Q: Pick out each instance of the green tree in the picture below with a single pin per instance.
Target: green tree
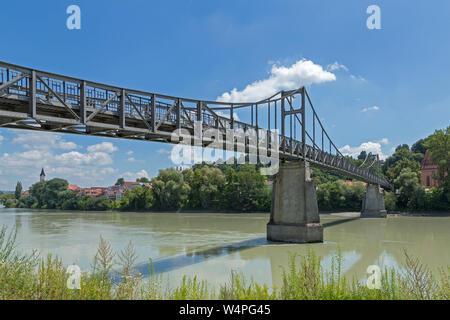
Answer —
(206, 185)
(120, 182)
(8, 200)
(411, 193)
(245, 190)
(170, 190)
(18, 192)
(139, 198)
(143, 180)
(438, 144)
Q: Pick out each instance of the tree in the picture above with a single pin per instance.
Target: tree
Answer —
(419, 147)
(139, 198)
(245, 190)
(143, 180)
(170, 190)
(438, 144)
(411, 193)
(18, 192)
(120, 182)
(362, 155)
(206, 185)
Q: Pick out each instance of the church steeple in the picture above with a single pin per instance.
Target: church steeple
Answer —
(42, 175)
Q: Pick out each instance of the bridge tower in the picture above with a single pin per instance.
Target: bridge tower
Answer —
(294, 216)
(373, 202)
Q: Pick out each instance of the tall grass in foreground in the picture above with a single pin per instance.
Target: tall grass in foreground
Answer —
(33, 277)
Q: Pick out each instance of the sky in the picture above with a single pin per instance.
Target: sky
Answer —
(373, 88)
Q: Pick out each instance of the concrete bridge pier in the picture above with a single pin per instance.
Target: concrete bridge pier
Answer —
(294, 216)
(373, 203)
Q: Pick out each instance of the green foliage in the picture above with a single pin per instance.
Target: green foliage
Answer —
(206, 185)
(120, 182)
(390, 200)
(438, 145)
(170, 191)
(411, 193)
(94, 203)
(340, 196)
(139, 198)
(143, 180)
(18, 191)
(9, 200)
(245, 190)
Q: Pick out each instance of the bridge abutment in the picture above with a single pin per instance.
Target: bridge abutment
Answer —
(373, 203)
(294, 216)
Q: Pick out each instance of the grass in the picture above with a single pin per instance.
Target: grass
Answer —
(32, 277)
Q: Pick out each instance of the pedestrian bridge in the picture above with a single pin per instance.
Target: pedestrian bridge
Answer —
(286, 122)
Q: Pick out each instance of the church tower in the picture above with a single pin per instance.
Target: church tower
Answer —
(42, 175)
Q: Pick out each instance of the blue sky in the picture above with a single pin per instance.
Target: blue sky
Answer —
(390, 86)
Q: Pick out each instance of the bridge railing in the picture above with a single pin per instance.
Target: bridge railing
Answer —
(291, 113)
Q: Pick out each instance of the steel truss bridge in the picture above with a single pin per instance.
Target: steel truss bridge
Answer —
(37, 100)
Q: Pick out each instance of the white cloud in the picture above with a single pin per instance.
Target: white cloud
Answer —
(1, 139)
(77, 158)
(302, 73)
(132, 159)
(358, 78)
(132, 176)
(374, 108)
(130, 153)
(374, 147)
(384, 141)
(43, 141)
(82, 168)
(227, 115)
(336, 66)
(102, 147)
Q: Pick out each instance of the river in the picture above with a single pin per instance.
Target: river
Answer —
(211, 245)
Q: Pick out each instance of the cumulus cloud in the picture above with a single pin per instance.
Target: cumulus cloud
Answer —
(130, 152)
(227, 115)
(79, 159)
(374, 108)
(1, 139)
(43, 141)
(102, 147)
(301, 73)
(374, 147)
(92, 167)
(132, 176)
(384, 141)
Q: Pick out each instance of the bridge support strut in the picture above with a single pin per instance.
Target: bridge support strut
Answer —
(294, 216)
(373, 203)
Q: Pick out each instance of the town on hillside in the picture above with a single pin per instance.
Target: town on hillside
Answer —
(114, 192)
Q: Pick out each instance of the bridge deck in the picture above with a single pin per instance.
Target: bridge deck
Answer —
(37, 100)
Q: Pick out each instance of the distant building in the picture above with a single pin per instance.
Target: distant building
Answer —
(42, 176)
(73, 187)
(114, 192)
(427, 170)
